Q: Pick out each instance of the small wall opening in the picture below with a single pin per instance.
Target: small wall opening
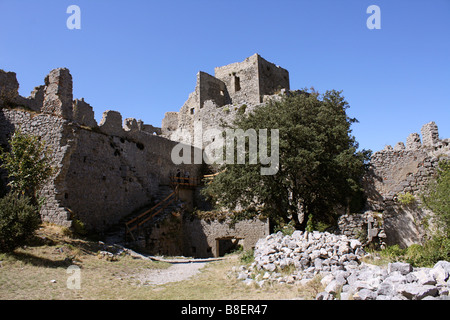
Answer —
(226, 245)
(237, 83)
(192, 110)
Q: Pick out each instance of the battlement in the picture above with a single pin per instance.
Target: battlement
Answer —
(430, 141)
(55, 97)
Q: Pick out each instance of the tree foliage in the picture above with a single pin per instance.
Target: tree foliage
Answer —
(437, 197)
(319, 165)
(18, 220)
(27, 163)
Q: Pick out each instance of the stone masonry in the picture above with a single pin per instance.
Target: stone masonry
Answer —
(103, 172)
(106, 171)
(237, 87)
(404, 170)
(337, 261)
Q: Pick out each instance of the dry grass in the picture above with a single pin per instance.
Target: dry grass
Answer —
(218, 282)
(39, 271)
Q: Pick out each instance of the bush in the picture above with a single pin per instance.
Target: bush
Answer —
(406, 199)
(242, 109)
(437, 199)
(18, 220)
(392, 253)
(432, 251)
(27, 163)
(247, 257)
(286, 229)
(79, 227)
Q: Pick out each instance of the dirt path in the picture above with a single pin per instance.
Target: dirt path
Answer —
(180, 270)
(176, 272)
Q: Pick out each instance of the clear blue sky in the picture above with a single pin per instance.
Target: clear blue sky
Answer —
(141, 57)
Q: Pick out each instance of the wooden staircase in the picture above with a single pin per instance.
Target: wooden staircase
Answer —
(134, 225)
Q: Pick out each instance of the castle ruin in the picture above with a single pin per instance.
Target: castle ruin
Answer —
(108, 170)
(237, 87)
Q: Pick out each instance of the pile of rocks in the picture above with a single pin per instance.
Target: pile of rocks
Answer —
(310, 252)
(298, 258)
(399, 281)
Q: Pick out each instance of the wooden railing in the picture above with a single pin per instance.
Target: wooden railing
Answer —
(185, 182)
(137, 222)
(133, 225)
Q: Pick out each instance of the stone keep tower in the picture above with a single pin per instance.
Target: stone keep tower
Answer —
(241, 83)
(249, 81)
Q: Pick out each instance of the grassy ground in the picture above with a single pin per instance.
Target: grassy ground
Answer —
(39, 271)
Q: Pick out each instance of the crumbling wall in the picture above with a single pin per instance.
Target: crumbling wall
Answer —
(272, 78)
(211, 88)
(368, 227)
(9, 87)
(401, 170)
(58, 97)
(202, 238)
(105, 171)
(83, 113)
(236, 88)
(57, 134)
(242, 80)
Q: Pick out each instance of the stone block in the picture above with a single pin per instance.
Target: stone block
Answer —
(413, 142)
(403, 268)
(58, 93)
(111, 123)
(83, 113)
(430, 134)
(9, 86)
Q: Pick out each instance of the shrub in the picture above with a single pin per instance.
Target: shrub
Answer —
(18, 220)
(432, 251)
(242, 109)
(436, 198)
(27, 163)
(406, 199)
(286, 229)
(79, 227)
(247, 257)
(392, 253)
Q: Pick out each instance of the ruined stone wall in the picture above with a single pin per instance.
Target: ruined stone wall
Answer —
(105, 171)
(242, 80)
(111, 175)
(368, 227)
(272, 78)
(211, 88)
(202, 237)
(400, 170)
(237, 87)
(58, 135)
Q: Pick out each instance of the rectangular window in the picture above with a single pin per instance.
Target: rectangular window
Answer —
(237, 84)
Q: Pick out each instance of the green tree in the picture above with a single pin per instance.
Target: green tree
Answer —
(27, 163)
(319, 165)
(18, 220)
(437, 197)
